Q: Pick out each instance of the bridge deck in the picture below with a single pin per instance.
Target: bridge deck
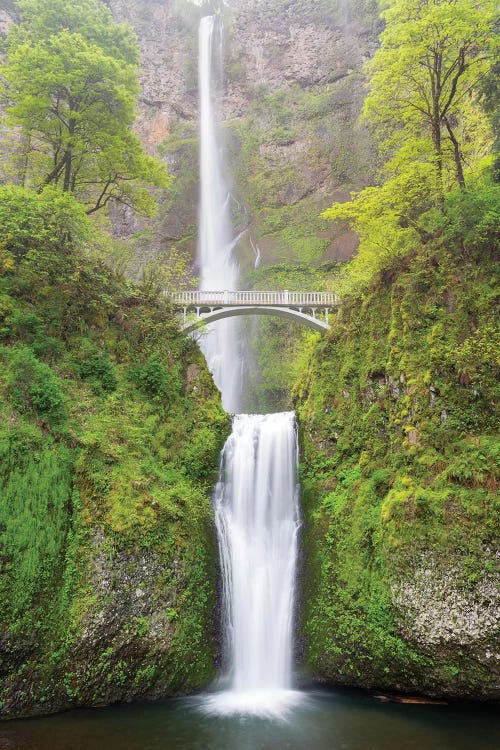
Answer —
(232, 298)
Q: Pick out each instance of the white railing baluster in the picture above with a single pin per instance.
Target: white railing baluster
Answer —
(220, 298)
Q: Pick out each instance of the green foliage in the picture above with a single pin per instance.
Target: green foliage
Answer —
(491, 102)
(426, 80)
(292, 276)
(70, 84)
(470, 220)
(432, 58)
(155, 380)
(97, 473)
(32, 385)
(45, 243)
(395, 219)
(291, 141)
(51, 220)
(34, 520)
(97, 368)
(171, 269)
(398, 409)
(385, 218)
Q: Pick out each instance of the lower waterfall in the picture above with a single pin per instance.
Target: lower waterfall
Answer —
(257, 518)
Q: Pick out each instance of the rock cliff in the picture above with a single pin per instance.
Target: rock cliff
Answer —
(292, 96)
(400, 475)
(110, 434)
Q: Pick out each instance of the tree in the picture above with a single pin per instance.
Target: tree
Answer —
(70, 83)
(491, 103)
(426, 75)
(170, 270)
(386, 220)
(425, 87)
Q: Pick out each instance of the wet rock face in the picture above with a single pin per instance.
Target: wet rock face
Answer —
(126, 587)
(273, 43)
(166, 31)
(168, 65)
(437, 612)
(5, 22)
(9, 14)
(280, 44)
(293, 55)
(122, 645)
(129, 624)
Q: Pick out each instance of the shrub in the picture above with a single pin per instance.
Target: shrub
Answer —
(155, 380)
(50, 219)
(32, 386)
(99, 371)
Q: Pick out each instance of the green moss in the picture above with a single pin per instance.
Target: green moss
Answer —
(105, 518)
(400, 465)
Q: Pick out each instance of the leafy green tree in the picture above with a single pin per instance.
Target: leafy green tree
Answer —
(386, 219)
(171, 269)
(70, 84)
(426, 75)
(426, 80)
(45, 259)
(491, 103)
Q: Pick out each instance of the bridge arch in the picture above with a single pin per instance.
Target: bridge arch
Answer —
(282, 312)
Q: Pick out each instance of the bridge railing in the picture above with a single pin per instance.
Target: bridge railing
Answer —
(230, 298)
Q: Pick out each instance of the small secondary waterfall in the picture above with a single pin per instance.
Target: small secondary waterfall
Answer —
(256, 498)
(218, 270)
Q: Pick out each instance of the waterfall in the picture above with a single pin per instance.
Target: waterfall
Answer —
(256, 498)
(257, 522)
(218, 270)
(257, 517)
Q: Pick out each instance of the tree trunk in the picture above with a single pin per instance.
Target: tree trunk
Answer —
(456, 154)
(23, 172)
(68, 157)
(67, 171)
(438, 156)
(436, 88)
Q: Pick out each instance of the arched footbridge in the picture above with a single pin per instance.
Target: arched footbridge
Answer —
(199, 308)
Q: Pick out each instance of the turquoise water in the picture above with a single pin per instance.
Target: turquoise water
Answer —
(336, 720)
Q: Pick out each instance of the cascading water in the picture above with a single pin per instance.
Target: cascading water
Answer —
(218, 270)
(257, 517)
(257, 521)
(256, 499)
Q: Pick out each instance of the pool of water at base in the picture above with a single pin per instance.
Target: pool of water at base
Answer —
(325, 720)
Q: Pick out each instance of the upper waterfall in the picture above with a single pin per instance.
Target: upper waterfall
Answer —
(218, 269)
